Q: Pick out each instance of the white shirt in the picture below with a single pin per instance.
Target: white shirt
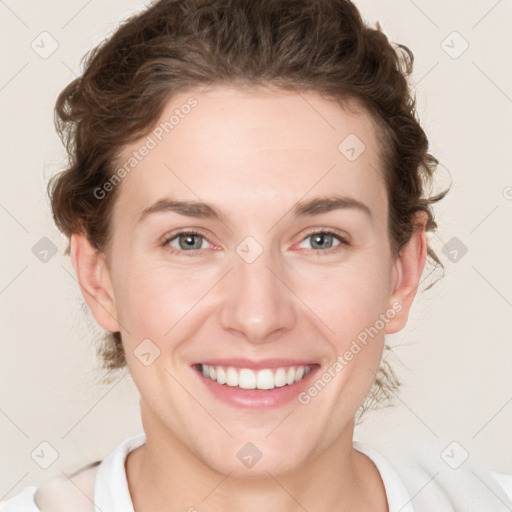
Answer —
(107, 485)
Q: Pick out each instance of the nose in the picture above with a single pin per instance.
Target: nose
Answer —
(259, 306)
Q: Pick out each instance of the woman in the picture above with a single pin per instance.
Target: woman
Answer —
(247, 219)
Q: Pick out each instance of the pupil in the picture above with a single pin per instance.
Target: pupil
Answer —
(189, 242)
(320, 238)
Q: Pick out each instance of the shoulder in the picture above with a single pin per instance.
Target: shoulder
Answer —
(505, 482)
(84, 490)
(21, 502)
(69, 492)
(57, 494)
(442, 476)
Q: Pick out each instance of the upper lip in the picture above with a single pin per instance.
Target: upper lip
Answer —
(252, 364)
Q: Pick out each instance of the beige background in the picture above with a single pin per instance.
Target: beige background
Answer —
(456, 351)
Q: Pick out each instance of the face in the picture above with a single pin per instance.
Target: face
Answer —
(252, 238)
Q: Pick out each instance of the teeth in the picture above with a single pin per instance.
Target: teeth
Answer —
(221, 375)
(280, 378)
(265, 380)
(246, 378)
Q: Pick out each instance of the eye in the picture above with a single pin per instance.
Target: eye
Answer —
(185, 241)
(324, 241)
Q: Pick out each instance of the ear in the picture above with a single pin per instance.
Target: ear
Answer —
(95, 282)
(408, 267)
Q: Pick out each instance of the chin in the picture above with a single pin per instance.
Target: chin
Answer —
(257, 468)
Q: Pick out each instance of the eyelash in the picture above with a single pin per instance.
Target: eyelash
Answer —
(343, 241)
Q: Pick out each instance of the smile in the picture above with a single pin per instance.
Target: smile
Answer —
(246, 378)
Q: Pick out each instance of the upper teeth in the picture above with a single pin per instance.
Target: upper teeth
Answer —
(246, 378)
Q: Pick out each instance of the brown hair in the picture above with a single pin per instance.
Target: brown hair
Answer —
(317, 45)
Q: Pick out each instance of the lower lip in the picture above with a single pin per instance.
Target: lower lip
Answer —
(257, 398)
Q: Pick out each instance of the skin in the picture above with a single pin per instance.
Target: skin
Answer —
(253, 154)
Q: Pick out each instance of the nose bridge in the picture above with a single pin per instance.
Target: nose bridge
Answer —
(257, 302)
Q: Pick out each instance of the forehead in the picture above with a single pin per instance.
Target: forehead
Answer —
(250, 147)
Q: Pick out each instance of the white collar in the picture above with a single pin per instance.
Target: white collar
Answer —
(397, 495)
(111, 493)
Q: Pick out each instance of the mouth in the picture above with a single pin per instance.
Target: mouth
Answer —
(262, 385)
(247, 378)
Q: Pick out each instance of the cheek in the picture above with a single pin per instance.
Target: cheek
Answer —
(354, 306)
(347, 298)
(351, 302)
(152, 300)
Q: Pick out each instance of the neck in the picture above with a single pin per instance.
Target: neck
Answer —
(164, 475)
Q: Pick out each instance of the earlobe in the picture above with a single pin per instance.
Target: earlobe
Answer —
(95, 283)
(409, 266)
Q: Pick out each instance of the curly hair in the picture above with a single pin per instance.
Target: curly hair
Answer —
(322, 46)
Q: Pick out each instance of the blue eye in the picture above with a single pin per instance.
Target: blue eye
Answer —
(322, 241)
(187, 241)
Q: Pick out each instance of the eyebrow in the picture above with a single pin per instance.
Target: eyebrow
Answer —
(308, 208)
